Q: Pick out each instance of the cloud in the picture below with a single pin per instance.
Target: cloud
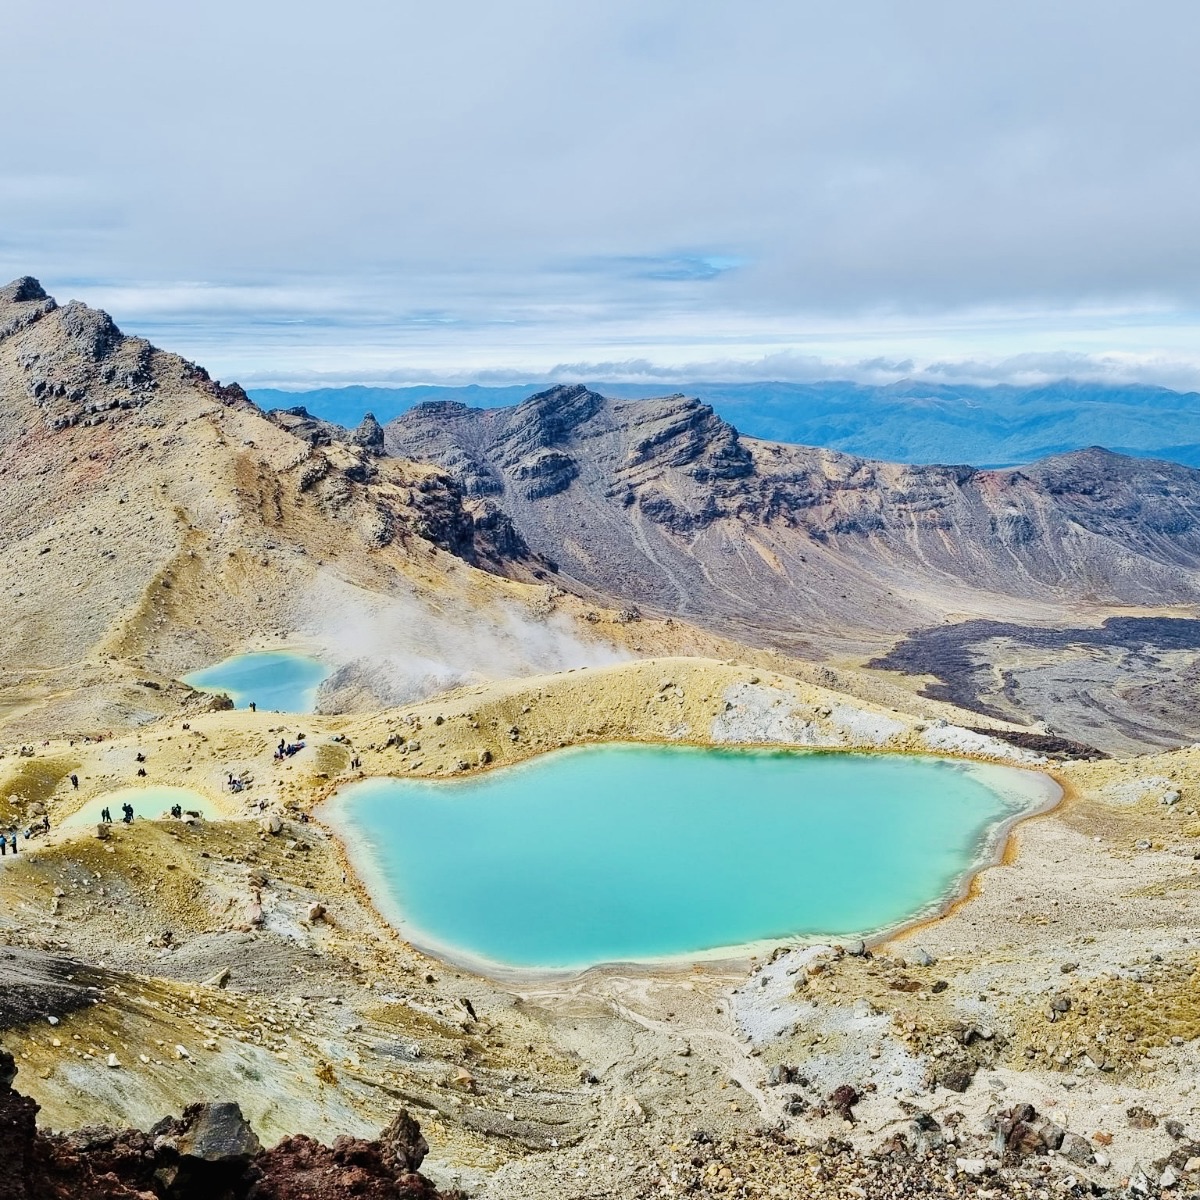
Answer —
(610, 180)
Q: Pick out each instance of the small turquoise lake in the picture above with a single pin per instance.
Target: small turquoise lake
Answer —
(629, 852)
(274, 680)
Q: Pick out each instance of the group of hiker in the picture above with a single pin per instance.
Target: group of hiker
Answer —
(126, 814)
(9, 841)
(287, 749)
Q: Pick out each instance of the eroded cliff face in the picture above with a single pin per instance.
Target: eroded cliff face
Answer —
(662, 503)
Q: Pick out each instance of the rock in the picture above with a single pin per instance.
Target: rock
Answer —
(971, 1166)
(113, 1061)
(1170, 798)
(1017, 1130)
(1052, 1135)
(368, 434)
(856, 949)
(272, 824)
(1139, 1181)
(217, 1133)
(1061, 1003)
(316, 912)
(1101, 1160)
(843, 1099)
(1192, 1165)
(219, 980)
(1075, 1149)
(1173, 1128)
(781, 1073)
(401, 1144)
(1140, 1118)
(1169, 1178)
(211, 1153)
(955, 1078)
(924, 959)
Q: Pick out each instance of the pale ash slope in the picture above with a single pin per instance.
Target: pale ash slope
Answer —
(662, 503)
(152, 521)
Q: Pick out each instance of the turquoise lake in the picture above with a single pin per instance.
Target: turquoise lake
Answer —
(275, 680)
(619, 853)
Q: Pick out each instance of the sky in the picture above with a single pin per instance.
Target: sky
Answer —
(385, 191)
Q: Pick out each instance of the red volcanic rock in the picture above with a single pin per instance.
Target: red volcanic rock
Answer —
(210, 1153)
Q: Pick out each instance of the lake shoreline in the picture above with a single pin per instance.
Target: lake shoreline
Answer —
(1040, 792)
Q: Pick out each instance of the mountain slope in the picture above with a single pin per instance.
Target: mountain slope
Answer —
(153, 521)
(662, 503)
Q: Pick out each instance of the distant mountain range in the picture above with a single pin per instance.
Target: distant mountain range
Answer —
(909, 422)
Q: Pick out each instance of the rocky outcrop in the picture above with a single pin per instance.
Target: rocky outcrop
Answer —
(209, 1153)
(368, 435)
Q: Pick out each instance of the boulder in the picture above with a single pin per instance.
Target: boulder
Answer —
(843, 1099)
(1075, 1149)
(402, 1145)
(217, 1133)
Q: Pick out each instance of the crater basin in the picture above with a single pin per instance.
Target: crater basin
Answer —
(633, 853)
(149, 803)
(274, 680)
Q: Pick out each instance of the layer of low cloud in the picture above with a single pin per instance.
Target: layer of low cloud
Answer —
(1023, 370)
(293, 188)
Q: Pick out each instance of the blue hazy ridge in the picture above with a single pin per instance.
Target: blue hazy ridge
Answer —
(610, 853)
(901, 422)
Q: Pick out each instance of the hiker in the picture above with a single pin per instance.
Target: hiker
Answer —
(46, 822)
(75, 782)
(3, 846)
(141, 757)
(128, 811)
(253, 706)
(106, 816)
(14, 843)
(142, 771)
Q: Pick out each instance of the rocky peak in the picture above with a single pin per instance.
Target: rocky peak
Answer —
(93, 333)
(22, 291)
(680, 432)
(368, 435)
(548, 419)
